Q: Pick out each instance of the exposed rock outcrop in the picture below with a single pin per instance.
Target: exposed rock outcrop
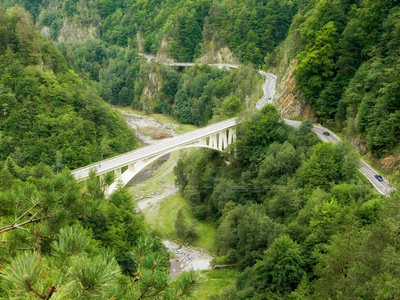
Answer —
(214, 54)
(72, 31)
(287, 99)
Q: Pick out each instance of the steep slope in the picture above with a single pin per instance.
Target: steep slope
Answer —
(47, 110)
(212, 31)
(345, 65)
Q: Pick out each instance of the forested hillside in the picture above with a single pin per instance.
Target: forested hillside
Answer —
(346, 67)
(48, 113)
(295, 215)
(343, 53)
(59, 238)
(183, 30)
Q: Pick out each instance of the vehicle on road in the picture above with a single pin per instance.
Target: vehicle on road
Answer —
(326, 133)
(379, 177)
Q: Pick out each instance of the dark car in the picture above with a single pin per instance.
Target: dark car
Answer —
(326, 133)
(379, 177)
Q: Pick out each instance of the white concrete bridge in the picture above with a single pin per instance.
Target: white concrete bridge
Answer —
(125, 166)
(216, 136)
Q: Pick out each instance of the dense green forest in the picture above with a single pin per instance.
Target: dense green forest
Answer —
(347, 67)
(345, 51)
(186, 28)
(48, 112)
(59, 238)
(295, 215)
(193, 95)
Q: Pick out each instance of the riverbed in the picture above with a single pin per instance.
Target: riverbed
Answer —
(149, 131)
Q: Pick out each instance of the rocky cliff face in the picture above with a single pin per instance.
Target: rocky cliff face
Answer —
(213, 53)
(151, 91)
(72, 31)
(57, 22)
(287, 99)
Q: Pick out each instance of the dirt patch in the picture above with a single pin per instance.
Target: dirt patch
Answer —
(147, 129)
(154, 199)
(390, 162)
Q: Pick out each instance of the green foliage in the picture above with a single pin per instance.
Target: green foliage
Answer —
(29, 276)
(72, 241)
(51, 105)
(231, 106)
(346, 67)
(316, 63)
(23, 272)
(151, 279)
(255, 232)
(183, 230)
(115, 224)
(327, 165)
(280, 204)
(281, 267)
(105, 7)
(259, 131)
(357, 272)
(206, 93)
(251, 29)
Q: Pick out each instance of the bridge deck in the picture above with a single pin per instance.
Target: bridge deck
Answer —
(163, 146)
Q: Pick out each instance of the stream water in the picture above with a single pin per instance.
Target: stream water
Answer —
(149, 131)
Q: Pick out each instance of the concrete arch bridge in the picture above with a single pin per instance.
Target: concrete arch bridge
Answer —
(217, 136)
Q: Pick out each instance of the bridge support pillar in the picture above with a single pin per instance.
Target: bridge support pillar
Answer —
(118, 174)
(131, 167)
(231, 135)
(213, 141)
(222, 141)
(102, 178)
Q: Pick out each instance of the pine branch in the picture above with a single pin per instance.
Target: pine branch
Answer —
(52, 290)
(187, 288)
(23, 249)
(24, 214)
(86, 288)
(32, 219)
(157, 292)
(33, 290)
(144, 292)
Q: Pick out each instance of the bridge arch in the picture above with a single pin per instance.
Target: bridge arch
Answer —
(217, 141)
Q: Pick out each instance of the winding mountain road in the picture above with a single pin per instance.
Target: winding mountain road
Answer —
(268, 88)
(382, 187)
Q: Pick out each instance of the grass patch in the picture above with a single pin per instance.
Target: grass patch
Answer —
(163, 177)
(163, 220)
(213, 281)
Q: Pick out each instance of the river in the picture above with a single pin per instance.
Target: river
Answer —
(148, 131)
